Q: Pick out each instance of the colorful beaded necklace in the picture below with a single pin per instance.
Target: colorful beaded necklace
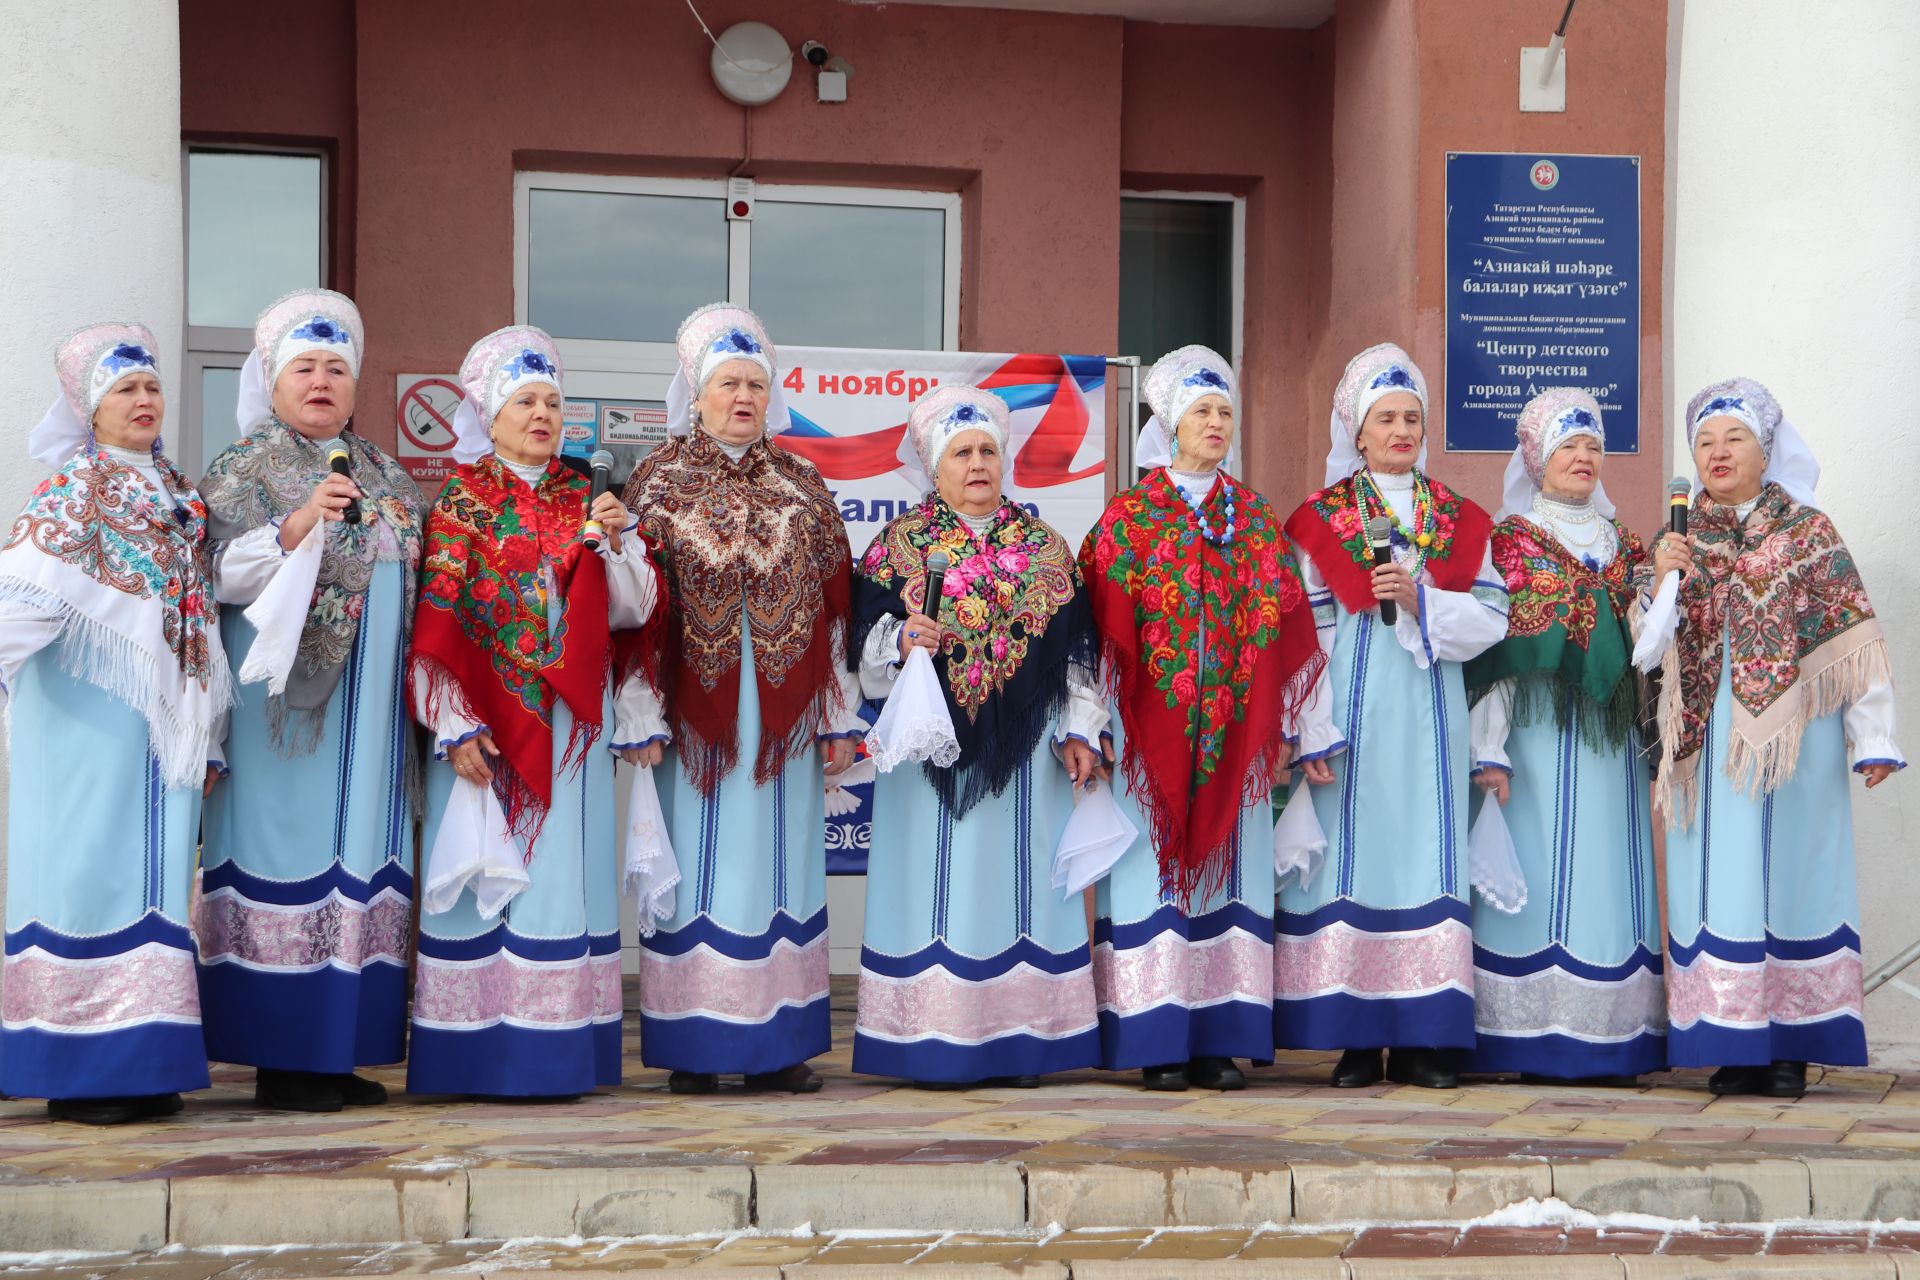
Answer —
(1196, 510)
(1420, 536)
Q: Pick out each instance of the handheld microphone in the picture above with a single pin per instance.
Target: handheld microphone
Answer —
(602, 463)
(1679, 497)
(338, 463)
(1380, 536)
(937, 563)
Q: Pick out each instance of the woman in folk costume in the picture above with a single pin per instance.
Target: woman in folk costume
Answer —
(975, 967)
(523, 635)
(116, 686)
(1775, 672)
(753, 673)
(1208, 653)
(1375, 947)
(1567, 972)
(307, 881)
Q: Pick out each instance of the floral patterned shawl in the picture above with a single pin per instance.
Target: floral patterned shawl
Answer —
(1331, 527)
(1802, 641)
(1205, 729)
(262, 479)
(1015, 614)
(486, 620)
(758, 544)
(1568, 642)
(124, 565)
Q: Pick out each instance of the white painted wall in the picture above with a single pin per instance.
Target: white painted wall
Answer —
(1796, 261)
(90, 209)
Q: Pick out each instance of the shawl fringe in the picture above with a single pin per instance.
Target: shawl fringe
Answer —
(95, 653)
(1539, 697)
(1759, 766)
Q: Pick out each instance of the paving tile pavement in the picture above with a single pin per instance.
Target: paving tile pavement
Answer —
(1286, 1115)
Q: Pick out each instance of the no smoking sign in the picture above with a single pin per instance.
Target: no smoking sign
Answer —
(423, 412)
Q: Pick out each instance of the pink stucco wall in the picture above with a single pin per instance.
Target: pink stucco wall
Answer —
(1336, 137)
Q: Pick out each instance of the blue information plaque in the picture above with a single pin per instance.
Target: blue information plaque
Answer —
(1543, 290)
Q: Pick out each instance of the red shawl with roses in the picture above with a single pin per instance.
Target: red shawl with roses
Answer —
(483, 618)
(1210, 652)
(1331, 527)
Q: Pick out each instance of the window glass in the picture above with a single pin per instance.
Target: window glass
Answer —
(622, 267)
(841, 275)
(219, 395)
(253, 233)
(1176, 276)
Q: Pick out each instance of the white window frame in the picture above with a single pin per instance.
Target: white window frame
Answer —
(1237, 293)
(221, 346)
(591, 356)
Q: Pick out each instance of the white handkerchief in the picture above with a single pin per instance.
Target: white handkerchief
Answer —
(652, 872)
(1096, 835)
(1299, 841)
(1656, 625)
(279, 614)
(914, 725)
(473, 849)
(1493, 867)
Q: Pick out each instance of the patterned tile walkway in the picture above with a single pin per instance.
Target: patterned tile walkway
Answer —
(1090, 1117)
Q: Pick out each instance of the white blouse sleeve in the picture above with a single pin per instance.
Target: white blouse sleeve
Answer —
(1870, 727)
(1454, 626)
(1326, 611)
(638, 718)
(1086, 716)
(880, 658)
(437, 703)
(245, 566)
(1315, 734)
(847, 722)
(1489, 723)
(633, 585)
(25, 629)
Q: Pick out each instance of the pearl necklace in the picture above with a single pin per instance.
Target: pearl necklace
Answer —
(1579, 527)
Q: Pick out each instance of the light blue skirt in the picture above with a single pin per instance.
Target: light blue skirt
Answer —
(97, 996)
(974, 965)
(306, 893)
(736, 981)
(1377, 950)
(528, 1003)
(1763, 912)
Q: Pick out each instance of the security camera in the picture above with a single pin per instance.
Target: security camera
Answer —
(814, 52)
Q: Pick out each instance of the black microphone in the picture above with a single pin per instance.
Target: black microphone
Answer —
(937, 562)
(602, 464)
(1380, 534)
(1679, 497)
(338, 463)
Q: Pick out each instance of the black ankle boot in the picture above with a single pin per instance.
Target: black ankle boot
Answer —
(1423, 1068)
(296, 1090)
(1733, 1082)
(1357, 1069)
(1171, 1078)
(1216, 1073)
(1784, 1080)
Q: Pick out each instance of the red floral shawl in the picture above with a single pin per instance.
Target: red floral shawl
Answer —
(1205, 733)
(1801, 636)
(482, 620)
(1331, 527)
(755, 542)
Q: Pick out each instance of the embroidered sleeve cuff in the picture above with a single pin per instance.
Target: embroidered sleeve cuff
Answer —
(841, 733)
(448, 744)
(1861, 766)
(1324, 753)
(660, 738)
(1481, 766)
(219, 767)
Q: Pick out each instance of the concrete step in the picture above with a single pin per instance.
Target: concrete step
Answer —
(651, 1200)
(1677, 1252)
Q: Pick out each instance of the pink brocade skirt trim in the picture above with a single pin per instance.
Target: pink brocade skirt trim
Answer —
(333, 931)
(468, 995)
(704, 983)
(1193, 975)
(151, 983)
(1340, 959)
(1773, 990)
(937, 1004)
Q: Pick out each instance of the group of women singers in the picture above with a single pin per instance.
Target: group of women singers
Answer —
(249, 658)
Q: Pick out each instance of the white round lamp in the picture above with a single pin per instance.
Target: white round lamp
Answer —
(751, 63)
